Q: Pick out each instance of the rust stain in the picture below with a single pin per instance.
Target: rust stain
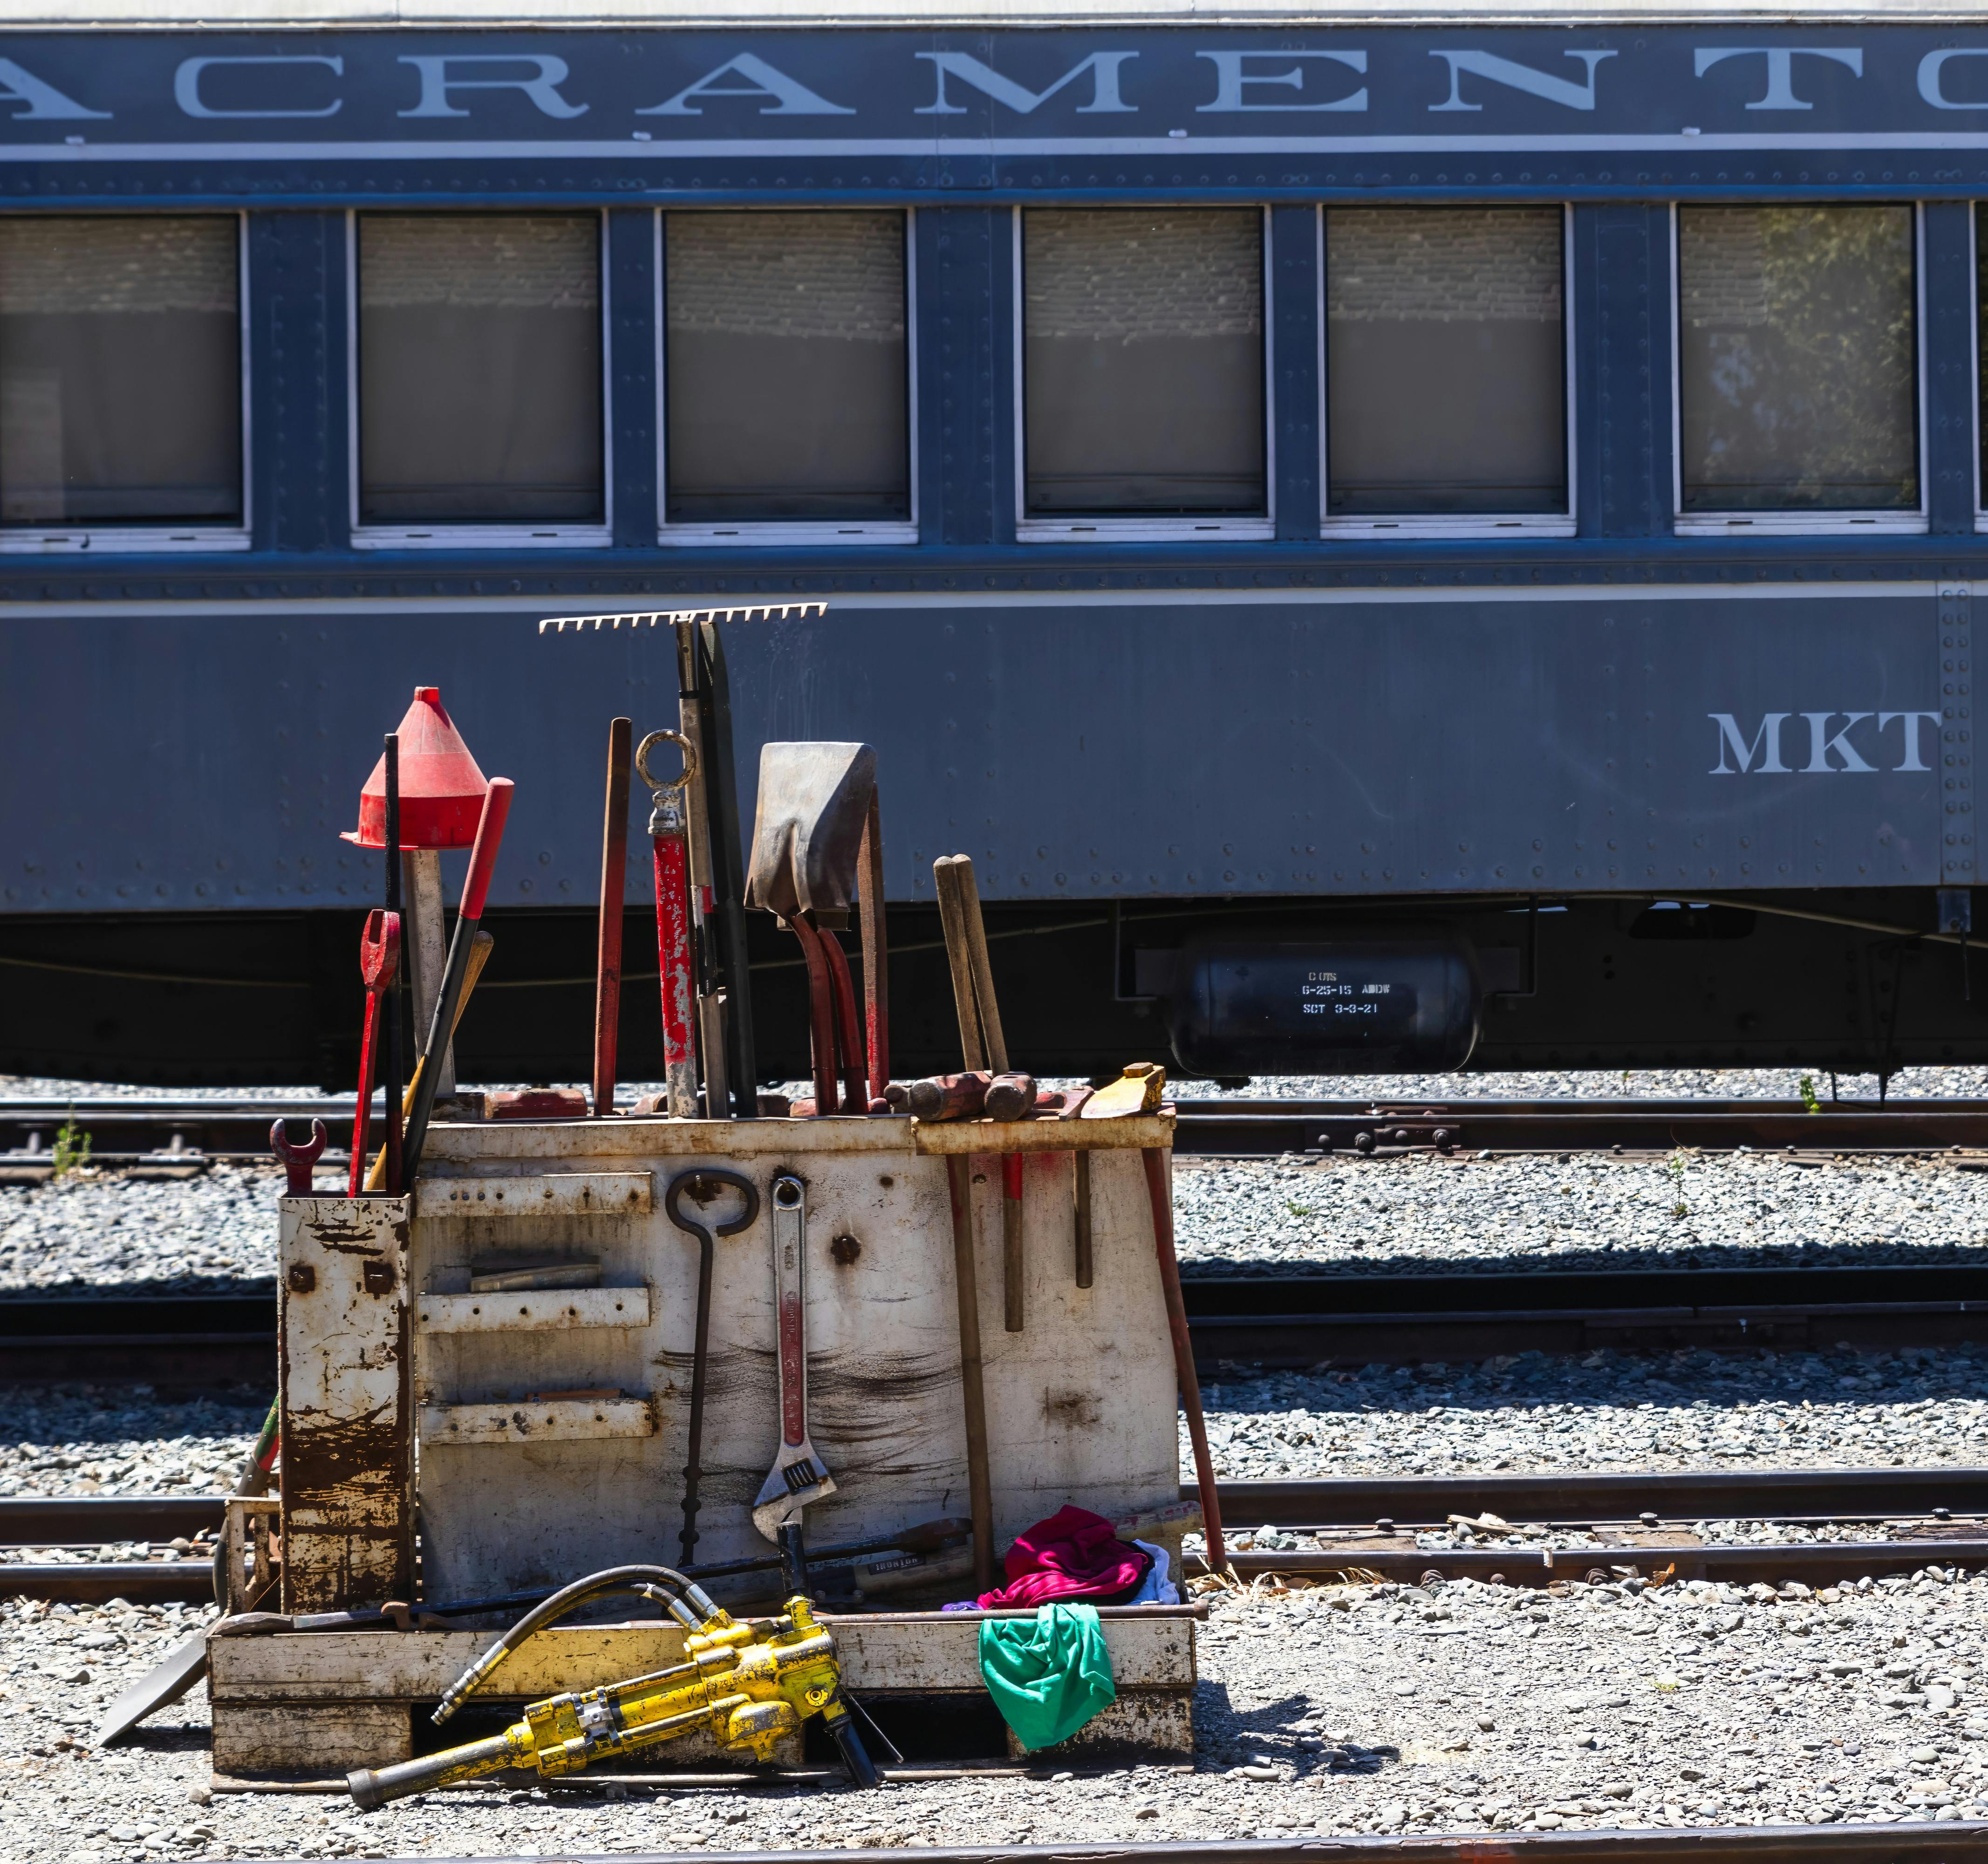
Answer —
(330, 1230)
(322, 1452)
(371, 1245)
(1072, 1410)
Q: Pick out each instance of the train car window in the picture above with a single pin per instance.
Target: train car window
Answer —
(479, 344)
(1797, 361)
(786, 371)
(1446, 363)
(1142, 360)
(120, 371)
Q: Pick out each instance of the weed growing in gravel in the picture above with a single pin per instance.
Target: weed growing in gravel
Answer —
(1807, 1092)
(1674, 1166)
(71, 1148)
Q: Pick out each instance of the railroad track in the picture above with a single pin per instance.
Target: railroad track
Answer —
(1276, 1321)
(1363, 1524)
(1959, 1841)
(181, 1137)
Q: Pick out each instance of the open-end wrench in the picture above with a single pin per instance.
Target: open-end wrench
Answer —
(798, 1476)
(299, 1159)
(379, 961)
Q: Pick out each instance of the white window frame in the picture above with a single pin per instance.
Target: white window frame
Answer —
(775, 531)
(1417, 525)
(1104, 528)
(164, 539)
(1800, 523)
(479, 533)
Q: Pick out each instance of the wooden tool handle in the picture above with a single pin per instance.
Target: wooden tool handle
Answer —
(996, 1043)
(959, 960)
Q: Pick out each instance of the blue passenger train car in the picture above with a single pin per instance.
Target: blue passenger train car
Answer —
(1317, 492)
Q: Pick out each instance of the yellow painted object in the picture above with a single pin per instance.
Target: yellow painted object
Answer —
(749, 1683)
(1137, 1091)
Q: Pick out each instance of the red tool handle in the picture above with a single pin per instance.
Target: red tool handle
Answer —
(368, 1048)
(489, 837)
(673, 949)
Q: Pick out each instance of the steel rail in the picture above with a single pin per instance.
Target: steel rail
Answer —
(1463, 1126)
(130, 1132)
(1407, 1502)
(1363, 1523)
(1930, 1843)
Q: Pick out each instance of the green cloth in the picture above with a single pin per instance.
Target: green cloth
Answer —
(1049, 1674)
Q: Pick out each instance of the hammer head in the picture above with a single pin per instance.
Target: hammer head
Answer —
(807, 829)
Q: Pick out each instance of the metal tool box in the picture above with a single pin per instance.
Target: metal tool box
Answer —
(535, 1434)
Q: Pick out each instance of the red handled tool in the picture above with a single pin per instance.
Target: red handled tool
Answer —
(675, 961)
(613, 887)
(475, 891)
(379, 963)
(298, 1159)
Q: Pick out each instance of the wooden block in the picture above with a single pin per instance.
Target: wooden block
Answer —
(541, 1194)
(314, 1737)
(1142, 1724)
(880, 1654)
(534, 1309)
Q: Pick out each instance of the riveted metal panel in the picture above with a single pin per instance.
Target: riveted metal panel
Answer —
(958, 369)
(296, 351)
(346, 1379)
(631, 404)
(1957, 867)
(1622, 334)
(1148, 744)
(1293, 323)
(1949, 367)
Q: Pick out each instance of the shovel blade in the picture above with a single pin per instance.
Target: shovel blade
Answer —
(184, 1665)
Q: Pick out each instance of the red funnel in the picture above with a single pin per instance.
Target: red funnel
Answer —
(441, 790)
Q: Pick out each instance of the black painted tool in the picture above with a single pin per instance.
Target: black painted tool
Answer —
(695, 1182)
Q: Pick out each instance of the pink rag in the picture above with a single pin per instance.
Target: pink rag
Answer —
(1074, 1554)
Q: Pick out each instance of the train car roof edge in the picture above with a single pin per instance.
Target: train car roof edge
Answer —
(367, 16)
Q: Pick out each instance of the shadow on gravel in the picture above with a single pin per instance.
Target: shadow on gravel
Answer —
(1274, 1731)
(1683, 1380)
(151, 1738)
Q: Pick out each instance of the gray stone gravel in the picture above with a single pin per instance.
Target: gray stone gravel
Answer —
(1422, 1212)
(123, 1441)
(101, 1232)
(105, 1231)
(1601, 1084)
(1921, 1406)
(1388, 1709)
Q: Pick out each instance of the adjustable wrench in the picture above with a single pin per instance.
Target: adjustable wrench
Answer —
(798, 1476)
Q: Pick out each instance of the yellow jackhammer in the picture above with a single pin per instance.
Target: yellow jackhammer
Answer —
(749, 1683)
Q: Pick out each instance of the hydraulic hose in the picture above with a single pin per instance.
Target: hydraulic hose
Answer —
(687, 1602)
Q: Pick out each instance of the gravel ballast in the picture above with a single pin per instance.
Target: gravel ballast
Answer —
(216, 1232)
(1422, 1213)
(1334, 1709)
(1919, 1407)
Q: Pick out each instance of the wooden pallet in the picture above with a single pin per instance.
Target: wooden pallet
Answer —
(317, 1703)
